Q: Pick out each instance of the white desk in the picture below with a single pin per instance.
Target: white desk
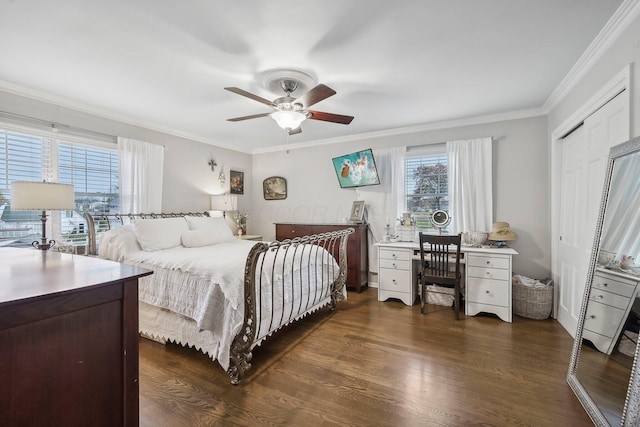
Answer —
(487, 277)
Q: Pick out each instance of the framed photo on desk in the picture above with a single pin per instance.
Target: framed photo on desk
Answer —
(357, 211)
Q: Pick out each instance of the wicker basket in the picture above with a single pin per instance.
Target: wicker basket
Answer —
(533, 302)
(440, 295)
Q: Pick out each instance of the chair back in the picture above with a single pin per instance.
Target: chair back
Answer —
(440, 258)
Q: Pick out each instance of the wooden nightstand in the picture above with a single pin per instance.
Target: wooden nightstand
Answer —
(249, 237)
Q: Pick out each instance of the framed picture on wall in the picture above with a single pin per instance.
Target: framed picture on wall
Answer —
(357, 211)
(236, 182)
(274, 188)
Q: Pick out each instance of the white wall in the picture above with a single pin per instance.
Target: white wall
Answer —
(188, 181)
(520, 172)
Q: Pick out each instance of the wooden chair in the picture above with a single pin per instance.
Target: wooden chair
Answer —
(440, 265)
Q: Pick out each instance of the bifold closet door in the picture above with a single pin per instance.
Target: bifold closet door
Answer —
(585, 154)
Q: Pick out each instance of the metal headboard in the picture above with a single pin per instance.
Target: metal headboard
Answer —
(97, 223)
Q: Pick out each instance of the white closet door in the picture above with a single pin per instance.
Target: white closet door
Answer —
(584, 158)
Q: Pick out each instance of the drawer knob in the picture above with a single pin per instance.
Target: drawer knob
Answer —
(593, 316)
(600, 296)
(394, 255)
(488, 273)
(605, 284)
(394, 265)
(487, 292)
(488, 262)
(394, 280)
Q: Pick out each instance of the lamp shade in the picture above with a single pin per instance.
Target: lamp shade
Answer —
(224, 202)
(288, 119)
(41, 196)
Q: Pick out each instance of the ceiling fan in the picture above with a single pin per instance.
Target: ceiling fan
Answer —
(290, 112)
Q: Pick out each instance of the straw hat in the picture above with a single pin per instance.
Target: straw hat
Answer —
(501, 232)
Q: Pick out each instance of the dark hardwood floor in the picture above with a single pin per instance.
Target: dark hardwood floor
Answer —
(373, 363)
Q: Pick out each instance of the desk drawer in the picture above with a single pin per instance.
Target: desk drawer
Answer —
(609, 298)
(474, 260)
(488, 291)
(488, 273)
(395, 264)
(603, 319)
(395, 280)
(395, 254)
(613, 284)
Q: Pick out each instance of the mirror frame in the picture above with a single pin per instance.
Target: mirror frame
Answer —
(443, 219)
(631, 409)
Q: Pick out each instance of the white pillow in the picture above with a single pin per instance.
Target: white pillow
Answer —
(217, 226)
(197, 238)
(118, 243)
(159, 234)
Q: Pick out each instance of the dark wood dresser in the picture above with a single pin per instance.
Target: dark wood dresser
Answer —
(69, 340)
(357, 247)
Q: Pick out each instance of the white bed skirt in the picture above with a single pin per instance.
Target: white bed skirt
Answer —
(163, 325)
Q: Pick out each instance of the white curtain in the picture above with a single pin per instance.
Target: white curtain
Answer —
(470, 185)
(141, 172)
(384, 202)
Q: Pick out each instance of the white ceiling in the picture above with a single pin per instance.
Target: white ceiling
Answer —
(163, 64)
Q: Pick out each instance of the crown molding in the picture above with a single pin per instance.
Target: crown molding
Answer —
(106, 114)
(628, 11)
(447, 124)
(89, 109)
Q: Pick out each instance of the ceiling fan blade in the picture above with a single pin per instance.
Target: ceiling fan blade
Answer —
(295, 131)
(315, 95)
(248, 95)
(330, 117)
(254, 116)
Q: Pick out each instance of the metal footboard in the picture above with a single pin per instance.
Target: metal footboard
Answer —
(277, 293)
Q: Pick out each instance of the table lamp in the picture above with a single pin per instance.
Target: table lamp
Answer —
(44, 196)
(224, 203)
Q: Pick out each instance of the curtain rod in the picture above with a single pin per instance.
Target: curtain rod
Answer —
(56, 127)
(430, 144)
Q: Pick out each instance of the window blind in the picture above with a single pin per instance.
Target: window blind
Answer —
(426, 187)
(93, 171)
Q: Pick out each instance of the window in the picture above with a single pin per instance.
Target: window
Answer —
(426, 187)
(93, 171)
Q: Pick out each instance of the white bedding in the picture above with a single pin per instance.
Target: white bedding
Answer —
(205, 284)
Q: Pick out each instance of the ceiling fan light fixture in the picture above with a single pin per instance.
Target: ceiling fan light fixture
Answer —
(289, 119)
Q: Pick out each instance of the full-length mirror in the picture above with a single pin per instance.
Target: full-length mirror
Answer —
(602, 371)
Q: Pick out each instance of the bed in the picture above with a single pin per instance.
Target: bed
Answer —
(221, 295)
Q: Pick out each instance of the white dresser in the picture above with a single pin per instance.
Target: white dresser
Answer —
(610, 301)
(487, 277)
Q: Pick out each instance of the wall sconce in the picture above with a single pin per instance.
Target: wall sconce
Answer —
(212, 163)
